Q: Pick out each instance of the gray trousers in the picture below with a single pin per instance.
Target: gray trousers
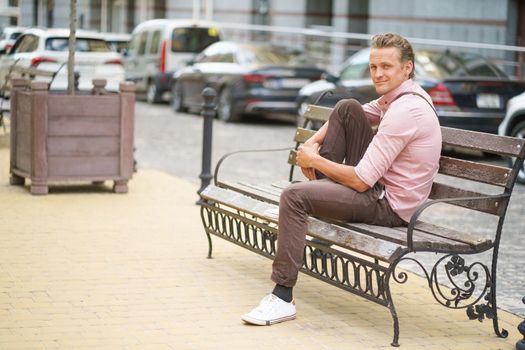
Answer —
(347, 138)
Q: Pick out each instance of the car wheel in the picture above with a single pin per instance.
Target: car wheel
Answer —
(177, 98)
(519, 132)
(152, 95)
(225, 110)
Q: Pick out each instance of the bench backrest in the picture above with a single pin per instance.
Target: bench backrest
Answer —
(501, 177)
(31, 73)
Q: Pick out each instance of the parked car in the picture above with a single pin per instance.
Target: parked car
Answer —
(514, 124)
(161, 46)
(8, 38)
(468, 91)
(118, 42)
(47, 49)
(252, 78)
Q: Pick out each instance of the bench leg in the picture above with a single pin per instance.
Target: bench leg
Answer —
(492, 297)
(391, 307)
(206, 218)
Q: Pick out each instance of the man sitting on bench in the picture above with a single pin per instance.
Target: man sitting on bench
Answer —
(356, 176)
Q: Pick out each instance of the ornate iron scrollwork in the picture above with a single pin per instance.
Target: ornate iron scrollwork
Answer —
(462, 294)
(351, 273)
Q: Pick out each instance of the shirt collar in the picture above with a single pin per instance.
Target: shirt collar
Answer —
(386, 99)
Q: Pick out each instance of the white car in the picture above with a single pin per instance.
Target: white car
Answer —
(118, 42)
(8, 38)
(47, 49)
(514, 124)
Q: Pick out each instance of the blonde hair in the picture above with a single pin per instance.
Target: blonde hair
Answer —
(386, 40)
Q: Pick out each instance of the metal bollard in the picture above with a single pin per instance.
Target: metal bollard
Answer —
(208, 112)
(520, 345)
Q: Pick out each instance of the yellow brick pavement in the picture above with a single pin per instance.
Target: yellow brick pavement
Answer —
(83, 268)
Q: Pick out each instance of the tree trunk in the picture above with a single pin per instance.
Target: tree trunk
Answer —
(72, 48)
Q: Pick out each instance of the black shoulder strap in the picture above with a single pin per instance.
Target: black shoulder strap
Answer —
(416, 94)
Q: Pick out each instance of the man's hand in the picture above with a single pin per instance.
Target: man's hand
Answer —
(309, 173)
(306, 154)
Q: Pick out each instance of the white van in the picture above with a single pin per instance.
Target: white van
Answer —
(159, 47)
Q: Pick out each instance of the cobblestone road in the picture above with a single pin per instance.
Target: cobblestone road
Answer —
(172, 143)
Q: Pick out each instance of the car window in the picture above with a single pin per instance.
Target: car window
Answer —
(264, 54)
(15, 35)
(155, 42)
(82, 44)
(27, 43)
(141, 49)
(355, 71)
(117, 45)
(447, 64)
(193, 39)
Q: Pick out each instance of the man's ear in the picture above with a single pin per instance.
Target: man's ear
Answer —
(409, 65)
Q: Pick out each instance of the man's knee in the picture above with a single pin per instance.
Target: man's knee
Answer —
(349, 108)
(291, 195)
(348, 105)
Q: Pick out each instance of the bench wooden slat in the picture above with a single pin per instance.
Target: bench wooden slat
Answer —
(475, 241)
(422, 240)
(32, 71)
(358, 242)
(465, 169)
(341, 236)
(252, 191)
(317, 113)
(301, 135)
(490, 205)
(479, 141)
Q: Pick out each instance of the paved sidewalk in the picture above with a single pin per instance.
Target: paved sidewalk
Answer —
(85, 268)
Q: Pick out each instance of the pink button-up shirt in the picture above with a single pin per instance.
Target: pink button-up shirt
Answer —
(404, 154)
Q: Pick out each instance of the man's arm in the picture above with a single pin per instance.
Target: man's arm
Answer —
(308, 157)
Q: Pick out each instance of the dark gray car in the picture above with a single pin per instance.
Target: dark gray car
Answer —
(250, 78)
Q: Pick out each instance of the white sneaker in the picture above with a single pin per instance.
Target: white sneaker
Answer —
(271, 310)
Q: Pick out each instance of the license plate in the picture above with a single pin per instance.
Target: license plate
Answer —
(285, 83)
(294, 83)
(488, 101)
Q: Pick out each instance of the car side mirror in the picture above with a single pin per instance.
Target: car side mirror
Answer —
(330, 78)
(190, 62)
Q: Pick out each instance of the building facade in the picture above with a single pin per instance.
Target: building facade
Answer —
(481, 21)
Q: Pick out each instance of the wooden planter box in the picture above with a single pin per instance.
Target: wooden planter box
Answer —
(81, 137)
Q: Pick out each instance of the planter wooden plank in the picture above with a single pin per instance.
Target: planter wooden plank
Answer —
(23, 161)
(87, 166)
(80, 106)
(83, 146)
(83, 126)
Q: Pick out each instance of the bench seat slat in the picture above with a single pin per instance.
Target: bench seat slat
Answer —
(475, 241)
(422, 240)
(252, 191)
(341, 236)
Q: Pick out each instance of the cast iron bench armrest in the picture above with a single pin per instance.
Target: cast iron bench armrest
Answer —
(227, 155)
(419, 211)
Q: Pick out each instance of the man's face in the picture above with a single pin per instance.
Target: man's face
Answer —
(387, 70)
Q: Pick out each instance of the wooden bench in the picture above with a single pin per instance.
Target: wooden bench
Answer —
(362, 258)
